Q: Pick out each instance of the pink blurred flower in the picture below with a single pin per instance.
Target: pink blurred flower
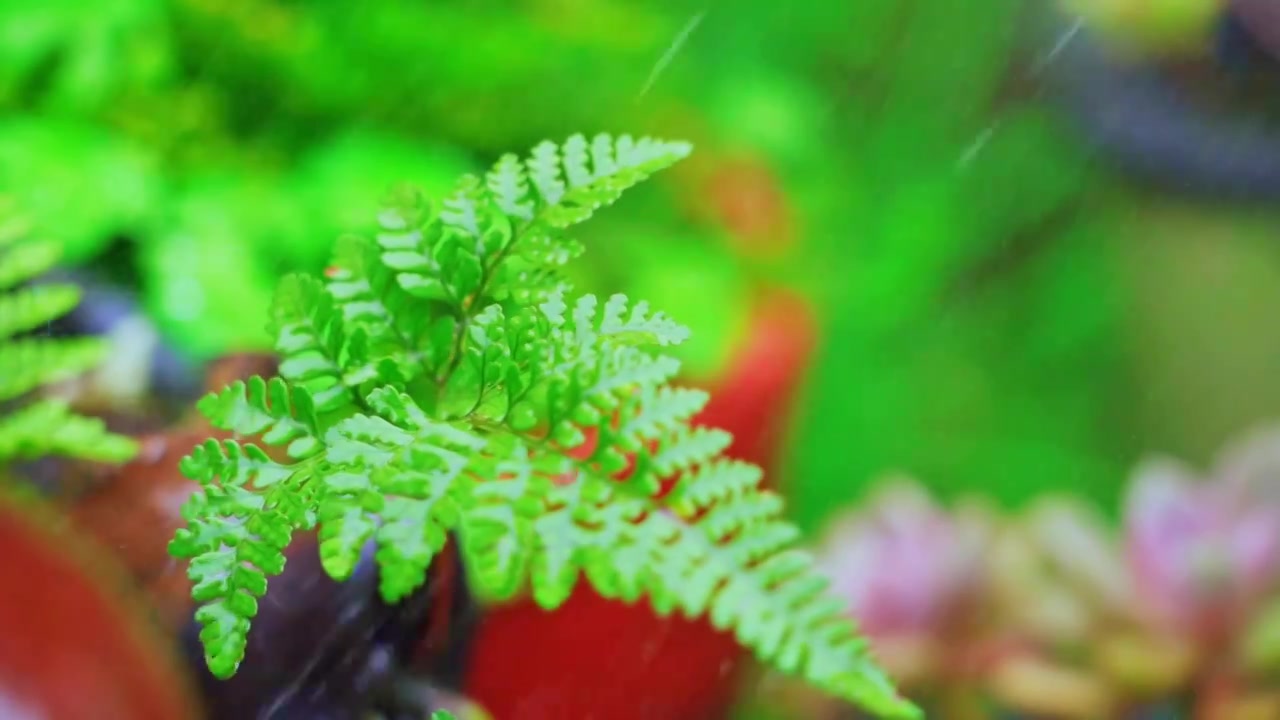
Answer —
(903, 564)
(1201, 555)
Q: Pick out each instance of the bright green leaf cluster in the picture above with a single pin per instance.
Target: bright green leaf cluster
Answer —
(28, 363)
(446, 379)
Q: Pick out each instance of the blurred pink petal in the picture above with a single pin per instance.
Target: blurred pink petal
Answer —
(903, 562)
(1198, 554)
(1254, 545)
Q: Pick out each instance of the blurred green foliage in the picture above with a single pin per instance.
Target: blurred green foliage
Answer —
(972, 332)
(225, 142)
(967, 310)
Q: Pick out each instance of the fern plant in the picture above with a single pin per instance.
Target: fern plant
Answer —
(444, 378)
(30, 430)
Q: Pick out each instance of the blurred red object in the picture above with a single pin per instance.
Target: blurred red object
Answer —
(748, 200)
(134, 512)
(595, 658)
(73, 649)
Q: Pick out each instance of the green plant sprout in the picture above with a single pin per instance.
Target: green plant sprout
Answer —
(444, 378)
(48, 426)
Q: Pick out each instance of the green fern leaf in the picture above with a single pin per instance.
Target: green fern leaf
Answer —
(27, 364)
(372, 299)
(311, 340)
(234, 539)
(575, 179)
(49, 427)
(395, 480)
(443, 381)
(621, 322)
(498, 527)
(31, 308)
(31, 363)
(280, 413)
(687, 448)
(27, 261)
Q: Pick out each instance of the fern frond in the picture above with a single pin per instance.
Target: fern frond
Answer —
(621, 322)
(370, 297)
(402, 470)
(419, 246)
(30, 308)
(498, 528)
(573, 180)
(234, 538)
(577, 532)
(686, 448)
(280, 413)
(31, 363)
(444, 381)
(313, 343)
(49, 427)
(28, 363)
(243, 517)
(473, 232)
(26, 262)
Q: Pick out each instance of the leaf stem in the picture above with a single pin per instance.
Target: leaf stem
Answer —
(469, 306)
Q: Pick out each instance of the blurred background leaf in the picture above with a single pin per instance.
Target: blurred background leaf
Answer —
(993, 315)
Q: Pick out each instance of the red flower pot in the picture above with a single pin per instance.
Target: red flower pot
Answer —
(73, 648)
